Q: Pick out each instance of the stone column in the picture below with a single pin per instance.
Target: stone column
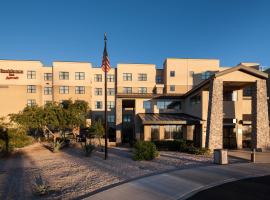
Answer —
(260, 121)
(214, 131)
(118, 121)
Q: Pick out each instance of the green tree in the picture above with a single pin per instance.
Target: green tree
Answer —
(52, 116)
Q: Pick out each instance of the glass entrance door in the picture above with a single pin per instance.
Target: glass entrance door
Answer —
(229, 137)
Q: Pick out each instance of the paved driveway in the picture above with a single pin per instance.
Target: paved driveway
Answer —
(181, 184)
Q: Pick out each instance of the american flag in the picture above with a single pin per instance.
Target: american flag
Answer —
(105, 60)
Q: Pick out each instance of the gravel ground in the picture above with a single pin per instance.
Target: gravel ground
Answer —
(70, 175)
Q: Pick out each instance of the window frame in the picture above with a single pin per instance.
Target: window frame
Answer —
(33, 102)
(47, 91)
(31, 74)
(63, 75)
(79, 75)
(142, 90)
(142, 77)
(127, 90)
(31, 88)
(64, 89)
(110, 78)
(109, 91)
(46, 77)
(127, 76)
(172, 73)
(98, 91)
(79, 89)
(98, 77)
(100, 105)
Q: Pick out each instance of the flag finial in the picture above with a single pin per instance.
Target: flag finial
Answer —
(105, 37)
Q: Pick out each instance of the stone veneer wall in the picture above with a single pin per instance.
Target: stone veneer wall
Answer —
(214, 132)
(260, 119)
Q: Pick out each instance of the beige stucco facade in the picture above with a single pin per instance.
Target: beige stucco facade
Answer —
(145, 102)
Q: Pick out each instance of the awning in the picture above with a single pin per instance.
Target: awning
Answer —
(168, 119)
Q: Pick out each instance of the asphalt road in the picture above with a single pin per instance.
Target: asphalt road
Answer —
(247, 189)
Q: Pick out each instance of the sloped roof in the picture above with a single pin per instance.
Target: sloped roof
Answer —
(248, 70)
(168, 118)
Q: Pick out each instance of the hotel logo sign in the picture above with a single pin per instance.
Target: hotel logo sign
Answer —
(11, 73)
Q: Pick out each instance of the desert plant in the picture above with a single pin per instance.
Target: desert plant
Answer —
(57, 146)
(97, 130)
(144, 150)
(88, 149)
(40, 187)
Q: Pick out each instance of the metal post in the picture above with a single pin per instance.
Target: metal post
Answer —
(253, 157)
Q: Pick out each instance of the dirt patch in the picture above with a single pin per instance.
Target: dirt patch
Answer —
(69, 174)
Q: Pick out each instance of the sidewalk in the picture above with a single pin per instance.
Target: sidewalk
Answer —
(181, 184)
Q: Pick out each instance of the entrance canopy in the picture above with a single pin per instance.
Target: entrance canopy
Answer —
(168, 119)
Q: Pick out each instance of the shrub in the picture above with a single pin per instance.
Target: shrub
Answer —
(180, 145)
(57, 146)
(171, 145)
(88, 149)
(144, 150)
(15, 139)
(40, 186)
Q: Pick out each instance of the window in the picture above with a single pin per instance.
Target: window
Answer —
(98, 78)
(142, 77)
(31, 89)
(63, 75)
(98, 91)
(110, 78)
(127, 76)
(79, 75)
(111, 91)
(79, 90)
(154, 132)
(247, 91)
(31, 74)
(172, 73)
(63, 89)
(47, 76)
(110, 105)
(47, 90)
(159, 79)
(195, 100)
(172, 88)
(206, 75)
(127, 118)
(31, 102)
(142, 90)
(173, 132)
(127, 90)
(147, 105)
(169, 104)
(98, 105)
(111, 118)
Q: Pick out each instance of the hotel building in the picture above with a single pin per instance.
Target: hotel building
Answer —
(194, 99)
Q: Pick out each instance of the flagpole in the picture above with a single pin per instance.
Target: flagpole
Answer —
(105, 113)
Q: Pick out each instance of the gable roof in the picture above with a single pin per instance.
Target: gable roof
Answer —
(248, 70)
(243, 68)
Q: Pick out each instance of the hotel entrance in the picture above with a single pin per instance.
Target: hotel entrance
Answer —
(229, 137)
(128, 133)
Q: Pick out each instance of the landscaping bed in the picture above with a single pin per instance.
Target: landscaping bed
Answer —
(69, 173)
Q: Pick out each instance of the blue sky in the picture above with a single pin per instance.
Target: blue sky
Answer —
(138, 31)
